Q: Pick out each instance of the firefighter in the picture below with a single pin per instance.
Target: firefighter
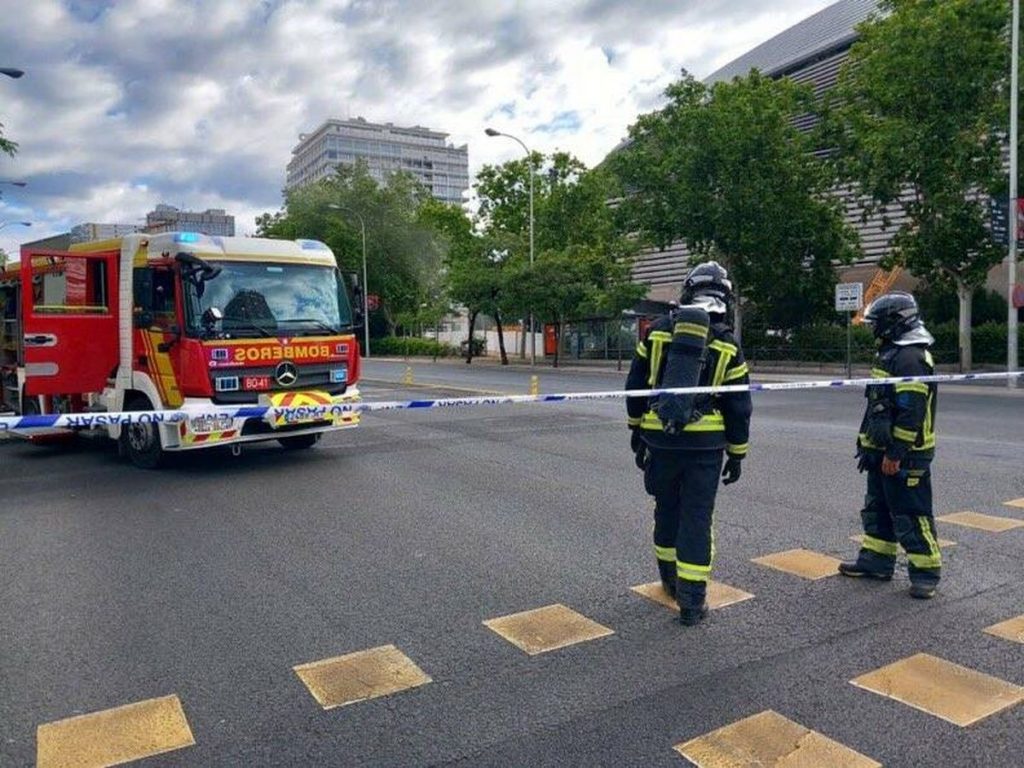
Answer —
(681, 443)
(895, 447)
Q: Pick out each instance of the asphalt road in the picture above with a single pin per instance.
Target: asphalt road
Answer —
(212, 578)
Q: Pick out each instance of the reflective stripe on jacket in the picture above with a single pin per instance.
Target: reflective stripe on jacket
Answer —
(726, 424)
(911, 404)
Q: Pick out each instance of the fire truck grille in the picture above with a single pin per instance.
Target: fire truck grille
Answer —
(316, 377)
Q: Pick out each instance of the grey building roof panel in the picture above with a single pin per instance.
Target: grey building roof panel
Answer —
(830, 28)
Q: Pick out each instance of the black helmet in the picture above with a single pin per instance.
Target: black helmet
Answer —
(893, 315)
(708, 279)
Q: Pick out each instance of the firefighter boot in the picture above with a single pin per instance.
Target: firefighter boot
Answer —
(922, 591)
(690, 595)
(668, 576)
(923, 582)
(871, 565)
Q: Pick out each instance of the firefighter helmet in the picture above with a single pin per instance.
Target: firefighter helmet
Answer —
(893, 316)
(708, 284)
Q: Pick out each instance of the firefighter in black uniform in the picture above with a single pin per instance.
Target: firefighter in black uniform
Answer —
(682, 466)
(895, 447)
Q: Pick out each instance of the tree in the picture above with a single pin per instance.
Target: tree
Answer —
(473, 267)
(919, 120)
(725, 170)
(3, 258)
(403, 255)
(575, 282)
(7, 146)
(582, 261)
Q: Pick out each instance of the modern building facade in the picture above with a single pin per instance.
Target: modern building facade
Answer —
(84, 233)
(212, 221)
(812, 52)
(385, 148)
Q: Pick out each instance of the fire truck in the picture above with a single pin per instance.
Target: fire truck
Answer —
(182, 322)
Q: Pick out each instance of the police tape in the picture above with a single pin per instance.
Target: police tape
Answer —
(329, 413)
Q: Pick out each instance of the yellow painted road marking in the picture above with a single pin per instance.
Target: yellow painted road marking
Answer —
(941, 688)
(114, 736)
(990, 523)
(943, 543)
(1011, 629)
(769, 739)
(801, 562)
(547, 629)
(359, 676)
(1018, 503)
(719, 595)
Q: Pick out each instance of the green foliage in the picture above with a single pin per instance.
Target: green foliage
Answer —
(939, 305)
(988, 341)
(826, 343)
(919, 118)
(403, 252)
(725, 169)
(7, 146)
(577, 282)
(817, 342)
(582, 261)
(412, 346)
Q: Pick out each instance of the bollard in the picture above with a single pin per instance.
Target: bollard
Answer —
(407, 376)
(534, 385)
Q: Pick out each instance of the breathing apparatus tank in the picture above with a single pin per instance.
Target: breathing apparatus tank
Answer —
(683, 365)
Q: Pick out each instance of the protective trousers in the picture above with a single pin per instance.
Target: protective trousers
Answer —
(898, 509)
(683, 484)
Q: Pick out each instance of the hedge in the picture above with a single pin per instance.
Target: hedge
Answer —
(412, 346)
(827, 344)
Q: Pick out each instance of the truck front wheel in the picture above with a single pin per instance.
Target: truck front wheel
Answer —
(141, 442)
(299, 441)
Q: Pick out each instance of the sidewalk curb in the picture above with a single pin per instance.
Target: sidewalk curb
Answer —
(762, 375)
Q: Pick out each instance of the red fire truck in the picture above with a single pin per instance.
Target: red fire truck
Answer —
(184, 322)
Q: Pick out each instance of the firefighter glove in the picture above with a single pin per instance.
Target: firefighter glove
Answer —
(863, 461)
(733, 469)
(897, 450)
(639, 448)
(635, 441)
(641, 458)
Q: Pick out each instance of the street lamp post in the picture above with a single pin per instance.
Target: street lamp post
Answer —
(366, 287)
(19, 223)
(1011, 312)
(15, 73)
(529, 160)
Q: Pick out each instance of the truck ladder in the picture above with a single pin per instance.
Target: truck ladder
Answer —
(881, 283)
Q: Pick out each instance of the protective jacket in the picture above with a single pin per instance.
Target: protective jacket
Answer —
(900, 418)
(725, 419)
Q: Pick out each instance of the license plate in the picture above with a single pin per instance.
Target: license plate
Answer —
(255, 382)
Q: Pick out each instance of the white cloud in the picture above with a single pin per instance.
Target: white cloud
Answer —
(199, 102)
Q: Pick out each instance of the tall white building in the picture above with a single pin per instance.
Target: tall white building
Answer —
(385, 148)
(84, 233)
(212, 221)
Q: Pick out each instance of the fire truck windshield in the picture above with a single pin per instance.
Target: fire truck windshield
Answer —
(257, 299)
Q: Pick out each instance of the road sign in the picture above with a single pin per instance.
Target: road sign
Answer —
(999, 220)
(849, 297)
(1018, 296)
(373, 302)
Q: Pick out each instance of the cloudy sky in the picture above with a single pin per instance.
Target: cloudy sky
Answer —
(198, 103)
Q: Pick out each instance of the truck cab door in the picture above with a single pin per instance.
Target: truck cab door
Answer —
(70, 305)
